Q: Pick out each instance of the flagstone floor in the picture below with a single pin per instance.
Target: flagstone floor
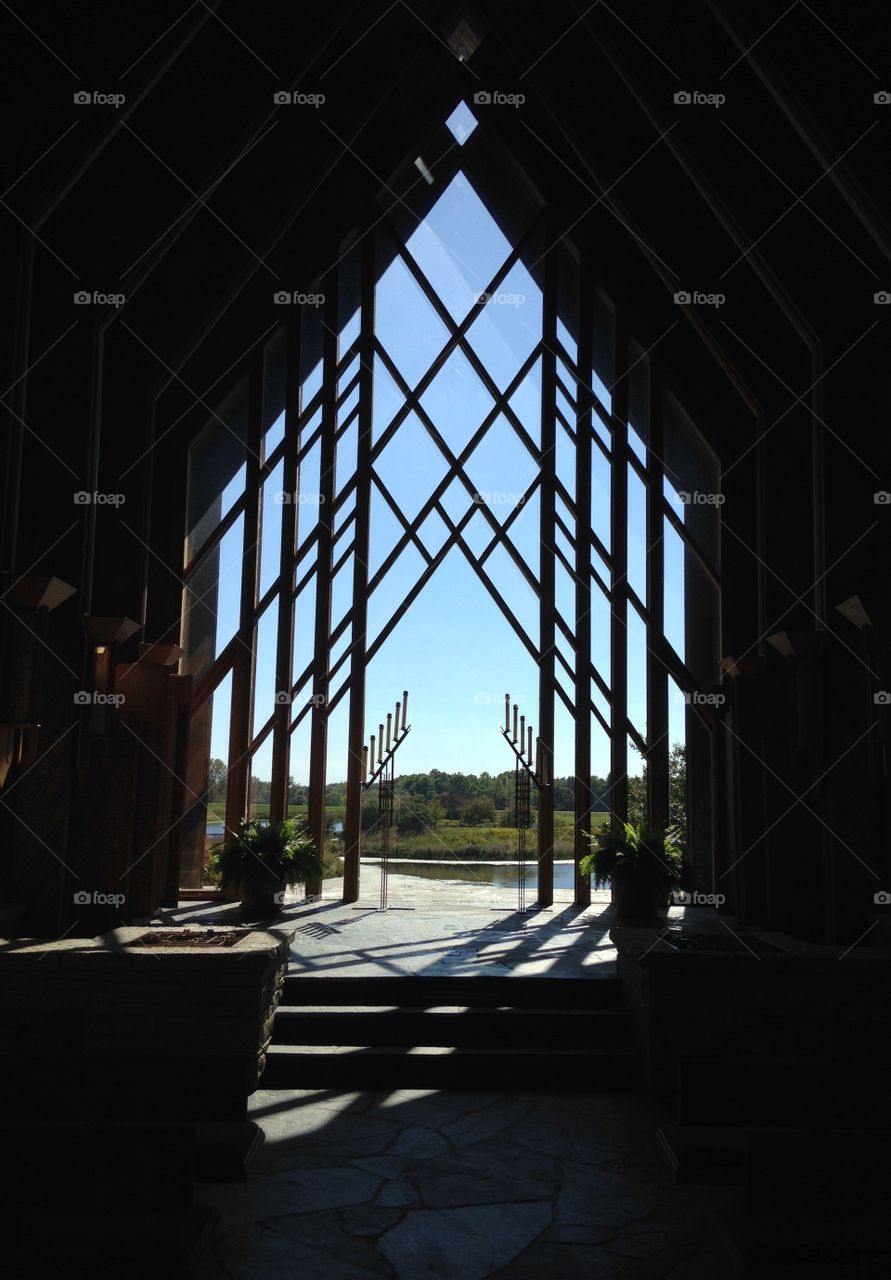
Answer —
(427, 1185)
(420, 1185)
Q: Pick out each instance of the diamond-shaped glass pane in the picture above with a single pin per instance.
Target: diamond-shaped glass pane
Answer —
(526, 403)
(386, 399)
(501, 468)
(393, 588)
(478, 533)
(406, 324)
(459, 246)
(508, 327)
(384, 532)
(520, 597)
(410, 466)
(456, 500)
(525, 532)
(433, 533)
(456, 401)
(461, 123)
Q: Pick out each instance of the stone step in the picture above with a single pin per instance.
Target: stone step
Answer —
(441, 1067)
(474, 991)
(452, 1025)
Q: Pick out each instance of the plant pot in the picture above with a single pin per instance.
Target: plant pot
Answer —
(261, 896)
(638, 898)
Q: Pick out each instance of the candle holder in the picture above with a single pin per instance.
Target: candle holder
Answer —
(382, 775)
(527, 774)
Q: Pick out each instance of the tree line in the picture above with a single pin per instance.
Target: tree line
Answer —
(473, 799)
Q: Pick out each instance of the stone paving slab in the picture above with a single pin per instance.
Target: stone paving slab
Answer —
(434, 929)
(411, 1184)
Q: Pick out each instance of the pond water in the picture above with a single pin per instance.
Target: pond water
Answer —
(501, 875)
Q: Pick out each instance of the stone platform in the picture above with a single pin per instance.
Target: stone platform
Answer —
(426, 1185)
(435, 928)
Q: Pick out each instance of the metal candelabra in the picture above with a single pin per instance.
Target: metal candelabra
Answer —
(529, 772)
(381, 773)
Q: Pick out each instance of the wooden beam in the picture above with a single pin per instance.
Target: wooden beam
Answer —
(237, 782)
(619, 578)
(658, 745)
(284, 650)
(358, 655)
(583, 800)
(318, 750)
(547, 579)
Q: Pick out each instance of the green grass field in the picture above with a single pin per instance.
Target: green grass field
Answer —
(447, 840)
(451, 841)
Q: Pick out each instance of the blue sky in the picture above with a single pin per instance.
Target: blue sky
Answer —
(453, 650)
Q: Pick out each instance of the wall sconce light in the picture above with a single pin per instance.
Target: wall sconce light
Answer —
(105, 635)
(867, 611)
(160, 655)
(805, 647)
(735, 667)
(30, 602)
(796, 644)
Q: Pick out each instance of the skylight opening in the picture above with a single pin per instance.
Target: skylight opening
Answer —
(461, 123)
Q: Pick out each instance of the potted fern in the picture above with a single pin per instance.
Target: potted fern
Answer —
(261, 859)
(641, 864)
